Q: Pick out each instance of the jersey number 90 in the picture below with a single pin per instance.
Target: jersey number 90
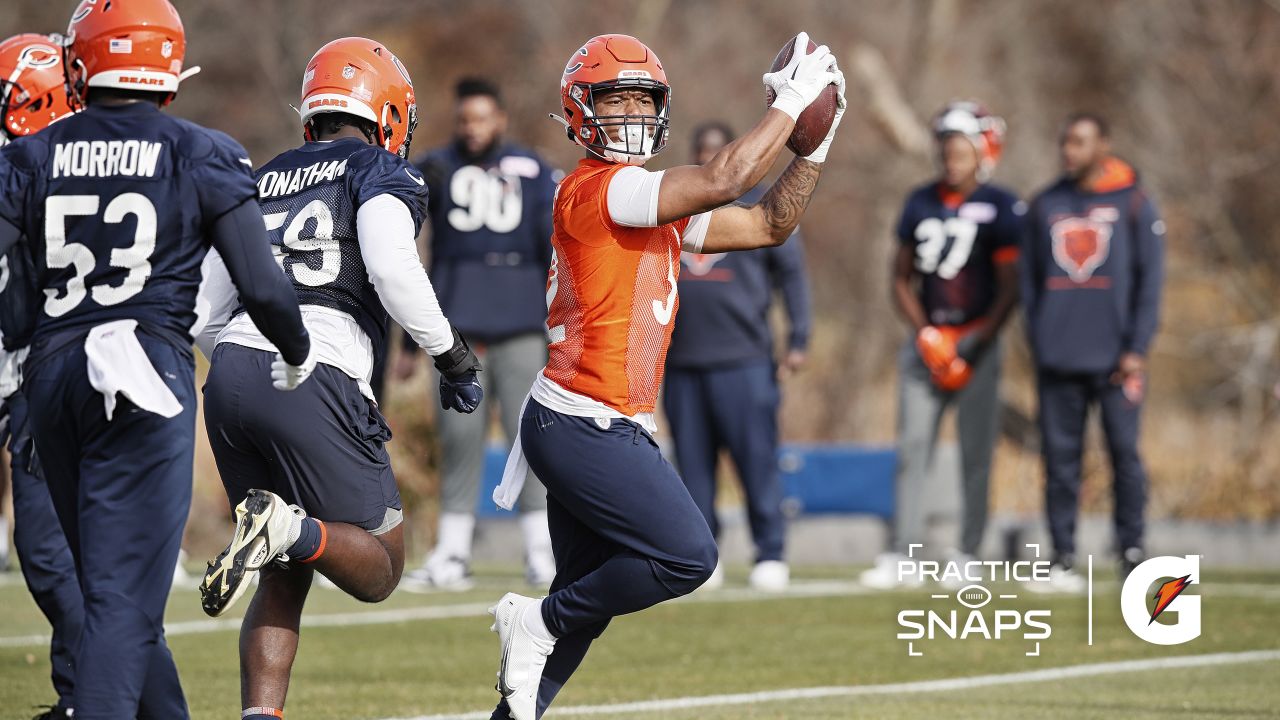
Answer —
(485, 199)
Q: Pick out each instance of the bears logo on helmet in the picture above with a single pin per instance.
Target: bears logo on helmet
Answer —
(984, 130)
(125, 44)
(360, 77)
(607, 63)
(32, 90)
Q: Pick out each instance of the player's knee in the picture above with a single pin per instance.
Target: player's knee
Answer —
(695, 567)
(119, 620)
(374, 593)
(708, 558)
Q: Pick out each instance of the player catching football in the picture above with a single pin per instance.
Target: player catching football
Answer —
(308, 472)
(625, 532)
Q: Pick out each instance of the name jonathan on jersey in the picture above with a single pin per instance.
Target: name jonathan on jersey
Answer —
(106, 158)
(288, 182)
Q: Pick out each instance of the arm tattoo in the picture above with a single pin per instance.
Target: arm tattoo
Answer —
(785, 202)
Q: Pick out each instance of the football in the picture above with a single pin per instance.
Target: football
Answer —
(814, 123)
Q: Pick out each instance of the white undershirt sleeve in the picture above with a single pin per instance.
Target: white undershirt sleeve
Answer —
(390, 251)
(215, 302)
(633, 197)
(696, 232)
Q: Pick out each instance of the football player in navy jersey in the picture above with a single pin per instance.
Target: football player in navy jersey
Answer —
(32, 97)
(955, 282)
(309, 473)
(490, 215)
(116, 207)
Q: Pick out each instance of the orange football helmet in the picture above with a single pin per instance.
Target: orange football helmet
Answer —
(360, 77)
(613, 62)
(32, 90)
(128, 44)
(984, 130)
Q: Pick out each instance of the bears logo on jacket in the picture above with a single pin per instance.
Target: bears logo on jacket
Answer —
(1080, 246)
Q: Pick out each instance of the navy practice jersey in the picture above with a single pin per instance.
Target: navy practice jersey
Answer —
(957, 246)
(490, 238)
(18, 299)
(309, 198)
(115, 203)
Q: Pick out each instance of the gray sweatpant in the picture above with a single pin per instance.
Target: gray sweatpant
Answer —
(509, 369)
(920, 407)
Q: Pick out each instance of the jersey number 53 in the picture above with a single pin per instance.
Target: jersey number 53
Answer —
(59, 254)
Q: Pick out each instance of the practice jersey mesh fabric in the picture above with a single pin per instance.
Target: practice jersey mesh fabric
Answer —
(611, 296)
(310, 196)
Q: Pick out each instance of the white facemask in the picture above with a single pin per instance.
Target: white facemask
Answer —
(635, 147)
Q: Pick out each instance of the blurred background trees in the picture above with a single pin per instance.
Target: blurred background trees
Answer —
(1192, 88)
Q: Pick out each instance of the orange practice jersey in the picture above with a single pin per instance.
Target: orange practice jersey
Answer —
(611, 296)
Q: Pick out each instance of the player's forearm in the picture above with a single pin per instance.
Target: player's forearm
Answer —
(742, 164)
(904, 298)
(785, 202)
(9, 236)
(1005, 301)
(390, 254)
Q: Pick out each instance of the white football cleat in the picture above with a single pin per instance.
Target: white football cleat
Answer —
(182, 578)
(265, 528)
(716, 581)
(540, 569)
(440, 572)
(523, 655)
(952, 583)
(884, 576)
(770, 576)
(1062, 580)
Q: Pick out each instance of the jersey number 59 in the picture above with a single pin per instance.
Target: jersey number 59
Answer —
(320, 239)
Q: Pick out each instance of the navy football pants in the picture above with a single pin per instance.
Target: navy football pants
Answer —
(42, 549)
(1064, 404)
(122, 491)
(625, 533)
(734, 408)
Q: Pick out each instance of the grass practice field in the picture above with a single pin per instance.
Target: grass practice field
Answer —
(827, 649)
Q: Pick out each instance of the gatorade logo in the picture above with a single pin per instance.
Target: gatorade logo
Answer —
(1176, 574)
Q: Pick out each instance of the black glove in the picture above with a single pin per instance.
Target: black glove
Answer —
(459, 388)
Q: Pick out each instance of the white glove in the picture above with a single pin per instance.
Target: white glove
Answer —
(820, 155)
(288, 377)
(802, 79)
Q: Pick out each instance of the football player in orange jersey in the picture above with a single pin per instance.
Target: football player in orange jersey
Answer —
(625, 532)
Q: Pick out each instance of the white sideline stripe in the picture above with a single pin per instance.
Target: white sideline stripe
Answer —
(962, 683)
(798, 590)
(813, 589)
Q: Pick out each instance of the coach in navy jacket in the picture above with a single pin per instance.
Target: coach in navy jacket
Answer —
(1092, 271)
(721, 386)
(490, 216)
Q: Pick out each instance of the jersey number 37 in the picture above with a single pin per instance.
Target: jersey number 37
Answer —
(932, 235)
